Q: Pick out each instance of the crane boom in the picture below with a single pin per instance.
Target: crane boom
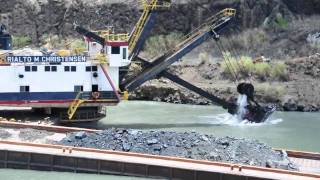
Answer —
(89, 34)
(209, 29)
(143, 27)
(231, 107)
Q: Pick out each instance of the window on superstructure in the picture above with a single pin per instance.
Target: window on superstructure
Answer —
(50, 68)
(54, 68)
(124, 53)
(34, 68)
(78, 88)
(24, 89)
(73, 68)
(67, 68)
(30, 68)
(27, 68)
(91, 68)
(115, 50)
(47, 68)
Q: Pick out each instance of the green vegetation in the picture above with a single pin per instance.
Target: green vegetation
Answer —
(249, 40)
(281, 22)
(246, 66)
(272, 91)
(55, 42)
(262, 69)
(156, 45)
(232, 66)
(49, 41)
(279, 71)
(78, 44)
(21, 41)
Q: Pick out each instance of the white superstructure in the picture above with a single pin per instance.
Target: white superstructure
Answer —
(37, 80)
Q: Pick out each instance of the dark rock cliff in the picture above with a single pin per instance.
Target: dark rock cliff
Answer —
(38, 17)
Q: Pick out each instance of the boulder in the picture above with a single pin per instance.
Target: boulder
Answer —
(289, 103)
(80, 135)
(152, 141)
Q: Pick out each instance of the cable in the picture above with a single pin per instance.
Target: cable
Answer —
(237, 67)
(226, 60)
(236, 30)
(240, 65)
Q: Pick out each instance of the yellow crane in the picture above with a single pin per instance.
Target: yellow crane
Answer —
(142, 25)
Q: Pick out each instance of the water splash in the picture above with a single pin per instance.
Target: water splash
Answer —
(242, 103)
(239, 119)
(233, 120)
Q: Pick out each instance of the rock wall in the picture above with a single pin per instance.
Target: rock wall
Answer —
(36, 18)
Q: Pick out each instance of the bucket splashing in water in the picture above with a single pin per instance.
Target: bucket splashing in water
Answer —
(242, 103)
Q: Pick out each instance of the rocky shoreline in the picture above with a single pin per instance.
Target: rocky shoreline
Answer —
(294, 95)
(172, 94)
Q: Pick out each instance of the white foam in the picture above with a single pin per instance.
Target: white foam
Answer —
(242, 103)
(233, 120)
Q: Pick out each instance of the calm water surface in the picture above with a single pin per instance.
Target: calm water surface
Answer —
(10, 174)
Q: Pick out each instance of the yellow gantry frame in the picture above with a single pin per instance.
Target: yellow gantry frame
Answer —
(147, 8)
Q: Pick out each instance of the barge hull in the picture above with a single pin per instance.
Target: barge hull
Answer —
(20, 155)
(45, 157)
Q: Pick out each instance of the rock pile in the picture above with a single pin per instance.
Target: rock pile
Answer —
(187, 145)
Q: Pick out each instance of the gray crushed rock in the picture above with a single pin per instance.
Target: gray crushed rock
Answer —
(33, 134)
(187, 145)
(4, 134)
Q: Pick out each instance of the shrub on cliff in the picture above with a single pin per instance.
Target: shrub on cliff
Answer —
(21, 41)
(279, 72)
(245, 67)
(51, 41)
(271, 92)
(281, 22)
(157, 45)
(262, 70)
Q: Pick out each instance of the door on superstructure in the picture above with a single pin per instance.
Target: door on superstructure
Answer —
(24, 93)
(95, 88)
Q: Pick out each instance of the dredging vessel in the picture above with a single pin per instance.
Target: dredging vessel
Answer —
(77, 87)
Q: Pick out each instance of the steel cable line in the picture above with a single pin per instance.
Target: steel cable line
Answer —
(239, 63)
(236, 30)
(228, 58)
(237, 67)
(226, 61)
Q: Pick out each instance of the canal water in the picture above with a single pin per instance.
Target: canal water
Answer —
(10, 174)
(287, 130)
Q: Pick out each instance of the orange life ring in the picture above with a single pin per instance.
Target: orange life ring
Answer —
(95, 95)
